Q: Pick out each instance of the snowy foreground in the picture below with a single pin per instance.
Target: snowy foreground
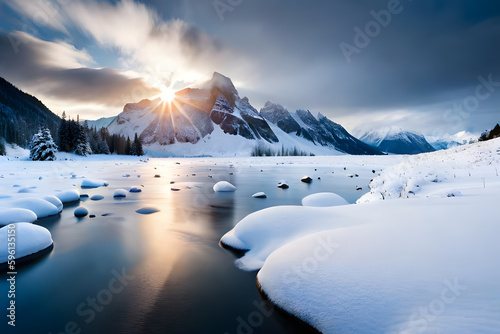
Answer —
(417, 254)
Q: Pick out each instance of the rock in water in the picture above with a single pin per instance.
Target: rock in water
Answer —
(259, 195)
(283, 185)
(81, 212)
(306, 179)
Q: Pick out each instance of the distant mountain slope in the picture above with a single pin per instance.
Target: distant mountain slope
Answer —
(214, 113)
(396, 140)
(320, 131)
(102, 122)
(22, 114)
(447, 141)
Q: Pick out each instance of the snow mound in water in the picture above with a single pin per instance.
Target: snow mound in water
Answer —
(122, 193)
(30, 239)
(323, 200)
(55, 201)
(147, 210)
(9, 216)
(40, 207)
(88, 183)
(68, 196)
(224, 186)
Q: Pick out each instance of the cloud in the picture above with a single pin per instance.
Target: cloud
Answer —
(40, 13)
(57, 70)
(168, 50)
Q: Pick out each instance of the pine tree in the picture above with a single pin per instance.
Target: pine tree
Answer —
(82, 146)
(42, 147)
(137, 146)
(63, 135)
(2, 147)
(128, 147)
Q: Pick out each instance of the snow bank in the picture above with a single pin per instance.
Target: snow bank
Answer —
(323, 200)
(68, 196)
(30, 239)
(40, 207)
(426, 267)
(262, 232)
(224, 186)
(420, 175)
(88, 183)
(9, 216)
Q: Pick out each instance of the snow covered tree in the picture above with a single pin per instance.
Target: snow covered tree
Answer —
(42, 147)
(137, 146)
(82, 146)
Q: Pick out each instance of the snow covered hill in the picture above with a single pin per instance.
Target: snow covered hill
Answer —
(214, 120)
(396, 140)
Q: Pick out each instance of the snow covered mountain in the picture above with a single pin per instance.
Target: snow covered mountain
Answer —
(320, 130)
(396, 140)
(448, 141)
(217, 121)
(102, 122)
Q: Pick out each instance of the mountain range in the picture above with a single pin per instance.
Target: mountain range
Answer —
(213, 120)
(396, 140)
(216, 120)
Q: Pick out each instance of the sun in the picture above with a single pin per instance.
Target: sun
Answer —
(167, 94)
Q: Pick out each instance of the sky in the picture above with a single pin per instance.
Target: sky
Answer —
(426, 66)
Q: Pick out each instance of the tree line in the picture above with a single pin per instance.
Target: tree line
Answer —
(73, 137)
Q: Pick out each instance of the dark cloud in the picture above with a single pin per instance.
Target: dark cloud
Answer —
(428, 57)
(32, 65)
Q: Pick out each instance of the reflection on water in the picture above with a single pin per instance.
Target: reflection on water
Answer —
(180, 280)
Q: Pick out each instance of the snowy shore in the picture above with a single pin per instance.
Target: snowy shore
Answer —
(422, 263)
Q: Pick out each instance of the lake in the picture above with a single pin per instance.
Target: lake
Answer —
(123, 272)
